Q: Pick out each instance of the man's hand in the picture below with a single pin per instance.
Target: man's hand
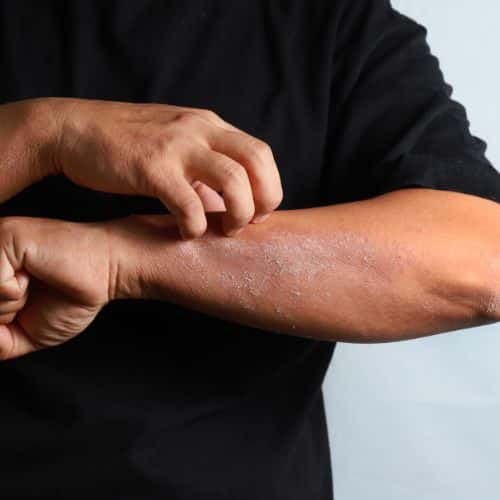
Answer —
(376, 270)
(161, 150)
(68, 270)
(183, 156)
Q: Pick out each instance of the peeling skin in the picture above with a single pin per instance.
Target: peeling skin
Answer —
(493, 307)
(247, 270)
(375, 270)
(297, 255)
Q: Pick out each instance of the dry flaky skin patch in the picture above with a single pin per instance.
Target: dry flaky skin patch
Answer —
(494, 305)
(290, 268)
(491, 302)
(383, 275)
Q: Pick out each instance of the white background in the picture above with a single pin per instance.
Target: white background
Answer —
(420, 419)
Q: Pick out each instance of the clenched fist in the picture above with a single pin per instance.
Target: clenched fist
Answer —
(67, 267)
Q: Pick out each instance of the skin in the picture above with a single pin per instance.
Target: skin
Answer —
(156, 150)
(378, 270)
(407, 264)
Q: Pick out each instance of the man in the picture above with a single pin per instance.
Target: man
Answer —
(152, 355)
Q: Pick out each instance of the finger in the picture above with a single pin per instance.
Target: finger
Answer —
(15, 287)
(12, 306)
(5, 319)
(183, 202)
(222, 173)
(212, 201)
(14, 342)
(23, 280)
(257, 158)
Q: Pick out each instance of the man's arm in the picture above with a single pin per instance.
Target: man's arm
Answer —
(151, 149)
(407, 264)
(26, 137)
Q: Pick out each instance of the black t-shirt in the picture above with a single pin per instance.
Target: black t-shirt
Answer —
(155, 401)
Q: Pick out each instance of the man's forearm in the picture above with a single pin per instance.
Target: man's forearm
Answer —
(407, 264)
(26, 130)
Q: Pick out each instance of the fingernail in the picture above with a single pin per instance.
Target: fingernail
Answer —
(260, 218)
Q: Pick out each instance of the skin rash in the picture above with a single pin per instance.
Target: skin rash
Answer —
(298, 261)
(403, 265)
(492, 306)
(358, 273)
(406, 264)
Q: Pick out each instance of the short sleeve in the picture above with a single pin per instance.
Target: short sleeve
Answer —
(392, 121)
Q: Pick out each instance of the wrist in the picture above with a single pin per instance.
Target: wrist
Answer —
(27, 132)
(123, 269)
(32, 132)
(144, 251)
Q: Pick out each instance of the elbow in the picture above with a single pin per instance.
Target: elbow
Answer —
(490, 307)
(474, 292)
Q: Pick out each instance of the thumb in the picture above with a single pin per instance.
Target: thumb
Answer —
(14, 287)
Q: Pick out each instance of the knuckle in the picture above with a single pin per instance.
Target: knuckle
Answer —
(11, 236)
(241, 212)
(260, 150)
(10, 297)
(272, 200)
(188, 119)
(233, 174)
(188, 205)
(244, 213)
(209, 114)
(162, 142)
